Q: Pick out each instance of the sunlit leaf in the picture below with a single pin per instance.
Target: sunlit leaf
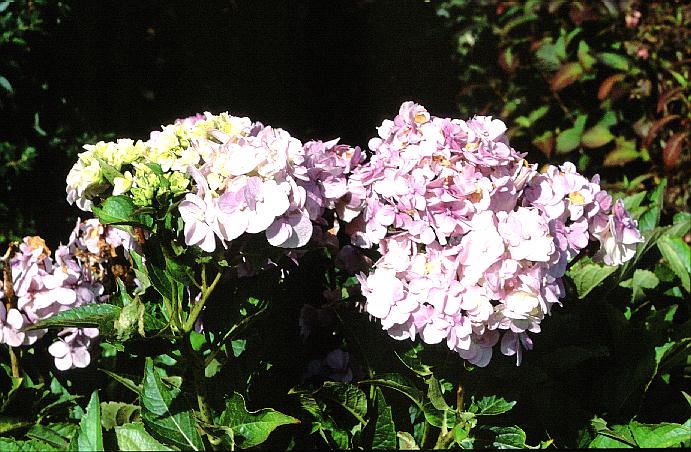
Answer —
(90, 433)
(251, 427)
(134, 437)
(165, 412)
(677, 253)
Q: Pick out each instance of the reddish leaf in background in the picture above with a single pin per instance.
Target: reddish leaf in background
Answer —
(608, 84)
(671, 154)
(655, 129)
(567, 74)
(667, 97)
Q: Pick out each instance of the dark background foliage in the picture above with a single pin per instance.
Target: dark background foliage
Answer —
(318, 69)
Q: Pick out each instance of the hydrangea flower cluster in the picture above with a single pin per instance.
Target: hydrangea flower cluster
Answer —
(148, 169)
(474, 240)
(265, 181)
(43, 286)
(246, 178)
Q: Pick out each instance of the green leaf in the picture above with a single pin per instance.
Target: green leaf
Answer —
(90, 433)
(160, 280)
(346, 395)
(324, 423)
(570, 139)
(651, 218)
(435, 395)
(413, 362)
(439, 418)
(12, 445)
(114, 414)
(126, 382)
(678, 256)
(568, 74)
(613, 60)
(57, 435)
(135, 437)
(384, 428)
(101, 316)
(490, 405)
(11, 423)
(116, 210)
(509, 438)
(6, 85)
(131, 317)
(165, 412)
(586, 60)
(406, 441)
(252, 427)
(398, 383)
(547, 56)
(662, 435)
(642, 279)
(596, 137)
(587, 275)
(624, 152)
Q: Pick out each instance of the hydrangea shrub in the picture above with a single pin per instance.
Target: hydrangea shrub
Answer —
(441, 231)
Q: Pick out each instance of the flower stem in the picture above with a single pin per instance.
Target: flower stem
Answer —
(197, 308)
(197, 361)
(14, 363)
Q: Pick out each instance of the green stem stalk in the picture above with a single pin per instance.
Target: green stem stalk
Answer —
(14, 363)
(197, 308)
(197, 361)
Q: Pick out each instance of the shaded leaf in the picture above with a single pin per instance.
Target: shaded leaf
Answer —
(584, 57)
(568, 74)
(128, 383)
(545, 143)
(655, 129)
(6, 85)
(398, 383)
(165, 413)
(587, 275)
(384, 429)
(624, 152)
(57, 435)
(346, 395)
(596, 136)
(90, 433)
(134, 437)
(413, 362)
(671, 154)
(606, 86)
(613, 60)
(101, 316)
(677, 253)
(114, 414)
(667, 97)
(254, 427)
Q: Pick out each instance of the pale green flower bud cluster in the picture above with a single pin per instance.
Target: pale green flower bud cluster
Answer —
(146, 170)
